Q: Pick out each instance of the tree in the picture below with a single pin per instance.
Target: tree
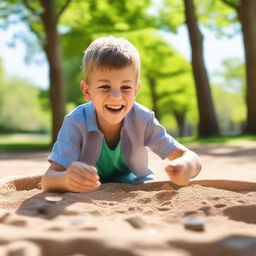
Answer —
(246, 12)
(208, 124)
(157, 57)
(174, 14)
(163, 72)
(42, 17)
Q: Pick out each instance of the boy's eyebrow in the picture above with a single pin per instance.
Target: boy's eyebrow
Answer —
(107, 81)
(103, 80)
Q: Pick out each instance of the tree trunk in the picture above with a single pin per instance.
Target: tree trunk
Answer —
(52, 49)
(247, 16)
(208, 124)
(180, 119)
(154, 98)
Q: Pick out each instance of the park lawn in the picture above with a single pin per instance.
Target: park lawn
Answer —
(24, 142)
(217, 139)
(28, 142)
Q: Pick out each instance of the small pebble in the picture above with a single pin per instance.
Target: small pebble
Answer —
(76, 221)
(136, 222)
(53, 199)
(195, 224)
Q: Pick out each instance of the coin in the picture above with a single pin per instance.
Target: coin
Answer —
(53, 199)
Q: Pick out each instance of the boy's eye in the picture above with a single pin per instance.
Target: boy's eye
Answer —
(126, 87)
(104, 87)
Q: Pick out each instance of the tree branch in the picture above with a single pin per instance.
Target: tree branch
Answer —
(39, 37)
(63, 8)
(173, 73)
(34, 12)
(25, 2)
(232, 5)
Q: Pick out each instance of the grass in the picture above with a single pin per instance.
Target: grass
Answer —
(36, 142)
(217, 139)
(24, 142)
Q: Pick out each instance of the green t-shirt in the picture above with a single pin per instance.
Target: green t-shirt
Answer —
(111, 162)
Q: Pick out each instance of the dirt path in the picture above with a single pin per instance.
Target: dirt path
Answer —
(235, 161)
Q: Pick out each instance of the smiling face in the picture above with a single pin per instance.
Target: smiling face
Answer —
(113, 92)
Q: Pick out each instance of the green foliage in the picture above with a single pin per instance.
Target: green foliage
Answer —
(107, 16)
(231, 111)
(72, 78)
(171, 15)
(14, 11)
(1, 83)
(20, 109)
(28, 12)
(232, 3)
(21, 142)
(217, 15)
(232, 75)
(84, 21)
(172, 73)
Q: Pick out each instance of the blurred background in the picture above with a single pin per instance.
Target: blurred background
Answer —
(198, 63)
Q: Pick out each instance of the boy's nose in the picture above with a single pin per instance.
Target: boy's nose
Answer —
(115, 93)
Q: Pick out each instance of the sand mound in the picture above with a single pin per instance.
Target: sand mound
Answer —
(119, 219)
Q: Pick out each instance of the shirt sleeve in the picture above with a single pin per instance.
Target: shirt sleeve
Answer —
(157, 139)
(67, 148)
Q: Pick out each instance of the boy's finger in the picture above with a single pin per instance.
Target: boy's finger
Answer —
(85, 183)
(87, 175)
(80, 179)
(92, 169)
(87, 171)
(88, 168)
(171, 171)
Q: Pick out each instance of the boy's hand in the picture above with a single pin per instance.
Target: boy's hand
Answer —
(185, 164)
(178, 173)
(80, 177)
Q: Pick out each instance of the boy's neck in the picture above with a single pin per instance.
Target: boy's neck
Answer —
(111, 134)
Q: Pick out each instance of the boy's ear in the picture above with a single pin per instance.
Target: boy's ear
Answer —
(85, 90)
(137, 88)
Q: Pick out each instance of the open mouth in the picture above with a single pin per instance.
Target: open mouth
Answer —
(114, 108)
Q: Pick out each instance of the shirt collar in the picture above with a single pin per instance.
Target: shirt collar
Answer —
(90, 118)
(128, 123)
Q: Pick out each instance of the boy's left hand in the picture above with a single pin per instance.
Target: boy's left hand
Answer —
(178, 173)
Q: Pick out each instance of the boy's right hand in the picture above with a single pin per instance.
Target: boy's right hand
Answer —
(80, 177)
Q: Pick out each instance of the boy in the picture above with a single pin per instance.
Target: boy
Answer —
(104, 140)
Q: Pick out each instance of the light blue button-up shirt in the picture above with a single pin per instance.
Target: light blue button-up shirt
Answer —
(80, 139)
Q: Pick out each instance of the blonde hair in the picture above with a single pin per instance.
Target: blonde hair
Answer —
(112, 53)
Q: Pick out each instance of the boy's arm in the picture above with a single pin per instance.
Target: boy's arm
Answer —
(185, 164)
(78, 177)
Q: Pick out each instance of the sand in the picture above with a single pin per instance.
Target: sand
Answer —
(147, 219)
